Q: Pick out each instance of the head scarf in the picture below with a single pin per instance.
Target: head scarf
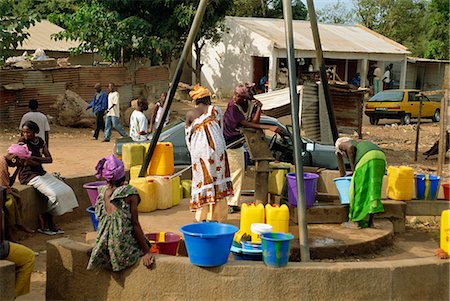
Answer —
(339, 143)
(199, 92)
(110, 168)
(245, 91)
(19, 150)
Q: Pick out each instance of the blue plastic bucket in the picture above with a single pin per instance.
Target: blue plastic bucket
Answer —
(343, 187)
(310, 180)
(91, 211)
(276, 248)
(427, 186)
(208, 244)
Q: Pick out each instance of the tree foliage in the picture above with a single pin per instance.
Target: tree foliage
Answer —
(267, 9)
(336, 13)
(12, 28)
(438, 20)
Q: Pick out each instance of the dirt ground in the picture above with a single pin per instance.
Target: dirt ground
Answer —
(74, 153)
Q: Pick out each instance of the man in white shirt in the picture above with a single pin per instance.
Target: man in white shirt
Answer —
(376, 80)
(138, 121)
(113, 114)
(387, 80)
(37, 117)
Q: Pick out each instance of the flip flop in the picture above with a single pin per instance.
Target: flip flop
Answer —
(46, 231)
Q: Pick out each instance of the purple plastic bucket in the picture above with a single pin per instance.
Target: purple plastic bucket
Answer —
(91, 189)
(310, 180)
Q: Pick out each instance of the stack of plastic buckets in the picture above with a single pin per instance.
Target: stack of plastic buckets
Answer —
(427, 186)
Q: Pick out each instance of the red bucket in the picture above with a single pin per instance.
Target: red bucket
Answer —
(170, 244)
(446, 191)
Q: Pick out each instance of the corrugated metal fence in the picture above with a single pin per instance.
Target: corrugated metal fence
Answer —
(18, 86)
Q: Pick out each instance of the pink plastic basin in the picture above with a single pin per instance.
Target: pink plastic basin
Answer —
(91, 189)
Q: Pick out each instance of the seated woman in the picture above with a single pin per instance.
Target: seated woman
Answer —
(368, 164)
(120, 241)
(61, 198)
(211, 182)
(13, 203)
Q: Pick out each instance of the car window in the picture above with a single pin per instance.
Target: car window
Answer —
(388, 96)
(412, 96)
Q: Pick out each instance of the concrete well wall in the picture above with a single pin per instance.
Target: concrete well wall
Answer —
(174, 278)
(7, 280)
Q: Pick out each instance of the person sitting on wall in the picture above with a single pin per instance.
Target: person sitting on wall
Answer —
(368, 164)
(120, 242)
(138, 121)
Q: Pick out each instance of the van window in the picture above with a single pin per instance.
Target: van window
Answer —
(388, 96)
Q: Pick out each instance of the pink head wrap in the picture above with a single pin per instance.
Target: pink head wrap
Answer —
(110, 168)
(19, 150)
(245, 90)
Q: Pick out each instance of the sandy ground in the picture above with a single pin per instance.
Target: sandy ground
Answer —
(74, 153)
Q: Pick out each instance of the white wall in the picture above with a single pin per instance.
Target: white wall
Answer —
(230, 62)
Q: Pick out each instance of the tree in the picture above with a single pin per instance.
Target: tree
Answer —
(267, 9)
(336, 13)
(438, 20)
(12, 28)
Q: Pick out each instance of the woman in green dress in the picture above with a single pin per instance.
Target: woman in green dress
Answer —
(120, 240)
(368, 164)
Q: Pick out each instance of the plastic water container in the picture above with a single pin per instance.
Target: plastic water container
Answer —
(162, 163)
(132, 154)
(278, 217)
(257, 229)
(147, 191)
(343, 188)
(166, 242)
(163, 191)
(400, 185)
(446, 188)
(187, 187)
(92, 190)
(427, 186)
(276, 248)
(134, 171)
(251, 214)
(91, 211)
(176, 191)
(310, 180)
(445, 231)
(208, 244)
(277, 177)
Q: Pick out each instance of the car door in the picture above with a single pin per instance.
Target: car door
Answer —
(413, 103)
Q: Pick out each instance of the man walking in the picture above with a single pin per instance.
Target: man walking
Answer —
(37, 117)
(113, 114)
(99, 104)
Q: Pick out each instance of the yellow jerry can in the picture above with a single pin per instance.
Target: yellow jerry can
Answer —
(400, 185)
(277, 176)
(163, 191)
(187, 186)
(251, 214)
(445, 231)
(147, 192)
(278, 217)
(162, 163)
(132, 154)
(176, 192)
(134, 171)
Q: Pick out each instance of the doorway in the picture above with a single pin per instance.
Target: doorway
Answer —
(260, 73)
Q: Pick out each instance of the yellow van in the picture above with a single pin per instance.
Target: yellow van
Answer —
(400, 104)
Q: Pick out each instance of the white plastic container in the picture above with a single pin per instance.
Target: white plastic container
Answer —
(257, 229)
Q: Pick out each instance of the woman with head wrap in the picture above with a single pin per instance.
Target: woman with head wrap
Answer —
(243, 110)
(61, 198)
(13, 204)
(120, 239)
(211, 183)
(368, 164)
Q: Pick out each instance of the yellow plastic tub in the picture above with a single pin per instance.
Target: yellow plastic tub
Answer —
(162, 163)
(278, 217)
(277, 176)
(400, 183)
(445, 231)
(251, 214)
(147, 191)
(132, 155)
(176, 192)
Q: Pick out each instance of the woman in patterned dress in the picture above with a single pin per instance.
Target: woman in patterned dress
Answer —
(120, 240)
(211, 183)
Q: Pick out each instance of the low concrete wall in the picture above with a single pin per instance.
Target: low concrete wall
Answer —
(7, 280)
(174, 278)
(34, 202)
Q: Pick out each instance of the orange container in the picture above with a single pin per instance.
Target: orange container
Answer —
(162, 161)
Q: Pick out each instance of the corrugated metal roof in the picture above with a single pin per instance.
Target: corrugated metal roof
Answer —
(40, 37)
(334, 38)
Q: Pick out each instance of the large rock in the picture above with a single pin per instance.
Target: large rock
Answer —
(71, 110)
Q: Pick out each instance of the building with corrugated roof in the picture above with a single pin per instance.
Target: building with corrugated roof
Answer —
(255, 47)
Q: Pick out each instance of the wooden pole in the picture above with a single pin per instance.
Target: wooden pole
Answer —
(442, 133)
(416, 150)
